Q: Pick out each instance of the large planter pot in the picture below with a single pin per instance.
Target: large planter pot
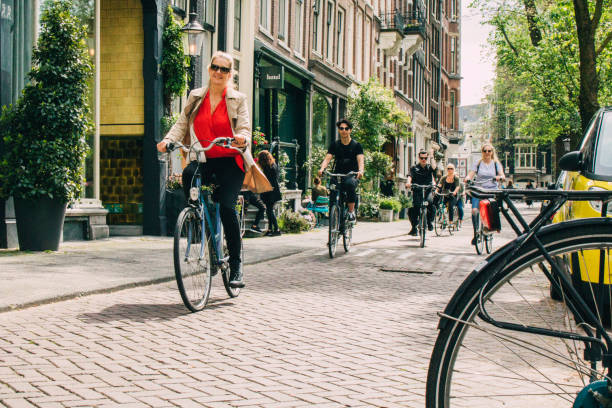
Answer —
(39, 223)
(403, 214)
(385, 215)
(175, 202)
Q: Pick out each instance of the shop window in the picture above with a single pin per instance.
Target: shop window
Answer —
(321, 121)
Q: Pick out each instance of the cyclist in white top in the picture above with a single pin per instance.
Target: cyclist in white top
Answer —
(488, 171)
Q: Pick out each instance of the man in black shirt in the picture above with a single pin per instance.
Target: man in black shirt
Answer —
(423, 174)
(349, 157)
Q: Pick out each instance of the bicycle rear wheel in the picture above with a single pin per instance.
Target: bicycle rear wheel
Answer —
(475, 363)
(422, 227)
(192, 266)
(334, 230)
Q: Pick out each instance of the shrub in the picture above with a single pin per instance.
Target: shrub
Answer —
(405, 201)
(44, 132)
(390, 203)
(369, 204)
(290, 221)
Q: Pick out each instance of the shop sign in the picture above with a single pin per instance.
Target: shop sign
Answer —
(273, 77)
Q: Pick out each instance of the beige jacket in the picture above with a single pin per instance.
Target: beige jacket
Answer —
(237, 111)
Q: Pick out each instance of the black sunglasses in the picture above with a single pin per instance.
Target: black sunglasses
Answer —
(343, 128)
(216, 67)
(422, 158)
(487, 151)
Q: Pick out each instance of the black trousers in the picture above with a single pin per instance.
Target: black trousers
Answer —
(414, 211)
(451, 200)
(228, 177)
(272, 221)
(252, 198)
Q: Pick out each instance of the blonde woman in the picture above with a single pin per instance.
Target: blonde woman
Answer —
(488, 171)
(210, 112)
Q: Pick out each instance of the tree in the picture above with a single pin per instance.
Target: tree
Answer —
(369, 109)
(540, 52)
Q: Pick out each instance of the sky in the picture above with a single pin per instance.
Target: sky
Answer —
(476, 66)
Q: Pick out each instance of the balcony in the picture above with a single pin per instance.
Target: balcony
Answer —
(402, 30)
(455, 136)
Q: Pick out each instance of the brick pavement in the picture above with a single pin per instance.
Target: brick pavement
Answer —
(307, 331)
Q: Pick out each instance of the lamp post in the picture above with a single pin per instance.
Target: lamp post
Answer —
(567, 144)
(194, 33)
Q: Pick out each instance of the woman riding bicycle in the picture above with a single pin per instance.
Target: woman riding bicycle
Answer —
(450, 184)
(210, 112)
(488, 171)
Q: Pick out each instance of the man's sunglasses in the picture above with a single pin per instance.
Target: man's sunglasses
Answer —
(422, 158)
(216, 67)
(343, 128)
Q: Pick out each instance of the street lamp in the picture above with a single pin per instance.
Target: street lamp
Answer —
(566, 144)
(193, 33)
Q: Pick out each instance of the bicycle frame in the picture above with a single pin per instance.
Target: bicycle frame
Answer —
(600, 342)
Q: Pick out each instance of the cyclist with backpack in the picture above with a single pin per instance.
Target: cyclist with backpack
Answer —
(488, 171)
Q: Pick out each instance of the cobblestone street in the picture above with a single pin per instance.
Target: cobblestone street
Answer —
(307, 331)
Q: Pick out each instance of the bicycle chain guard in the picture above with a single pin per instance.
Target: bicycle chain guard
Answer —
(595, 395)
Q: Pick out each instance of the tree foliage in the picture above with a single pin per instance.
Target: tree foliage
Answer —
(174, 61)
(43, 134)
(539, 76)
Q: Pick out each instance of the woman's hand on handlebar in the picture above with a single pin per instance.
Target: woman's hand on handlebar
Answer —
(239, 141)
(162, 146)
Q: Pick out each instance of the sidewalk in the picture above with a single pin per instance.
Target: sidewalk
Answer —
(86, 267)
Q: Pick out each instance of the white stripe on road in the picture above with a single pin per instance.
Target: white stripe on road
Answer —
(366, 252)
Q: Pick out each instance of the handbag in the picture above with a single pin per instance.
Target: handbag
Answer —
(256, 181)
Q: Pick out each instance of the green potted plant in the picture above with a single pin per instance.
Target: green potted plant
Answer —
(43, 133)
(406, 203)
(385, 212)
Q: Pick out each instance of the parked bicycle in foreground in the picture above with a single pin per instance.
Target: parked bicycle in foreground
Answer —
(199, 249)
(422, 219)
(339, 223)
(503, 341)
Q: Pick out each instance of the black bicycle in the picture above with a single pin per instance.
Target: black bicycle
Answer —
(422, 220)
(503, 341)
(442, 216)
(199, 247)
(339, 223)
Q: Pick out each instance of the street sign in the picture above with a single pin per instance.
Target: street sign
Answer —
(273, 77)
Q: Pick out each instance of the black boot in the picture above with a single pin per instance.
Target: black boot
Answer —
(236, 278)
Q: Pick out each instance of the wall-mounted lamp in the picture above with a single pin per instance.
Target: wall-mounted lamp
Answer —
(194, 32)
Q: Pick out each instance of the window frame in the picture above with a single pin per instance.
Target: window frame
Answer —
(298, 45)
(340, 27)
(237, 24)
(265, 10)
(283, 21)
(329, 21)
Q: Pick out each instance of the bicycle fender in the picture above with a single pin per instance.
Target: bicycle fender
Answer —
(504, 251)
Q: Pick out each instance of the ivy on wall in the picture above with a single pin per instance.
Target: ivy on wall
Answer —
(174, 62)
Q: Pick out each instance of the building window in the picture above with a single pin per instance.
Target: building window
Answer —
(330, 30)
(453, 105)
(237, 23)
(525, 156)
(359, 50)
(299, 27)
(368, 47)
(317, 23)
(283, 20)
(453, 55)
(180, 4)
(340, 38)
(209, 13)
(265, 14)
(454, 14)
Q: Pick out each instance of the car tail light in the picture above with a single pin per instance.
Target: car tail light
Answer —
(489, 214)
(596, 205)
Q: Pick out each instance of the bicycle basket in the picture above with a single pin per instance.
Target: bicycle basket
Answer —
(489, 214)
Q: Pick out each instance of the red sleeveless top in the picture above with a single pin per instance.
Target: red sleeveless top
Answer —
(209, 126)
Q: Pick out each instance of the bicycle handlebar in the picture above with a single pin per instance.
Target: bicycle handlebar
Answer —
(225, 142)
(574, 195)
(341, 175)
(422, 185)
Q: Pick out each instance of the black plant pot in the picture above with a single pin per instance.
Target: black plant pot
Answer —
(39, 223)
(175, 202)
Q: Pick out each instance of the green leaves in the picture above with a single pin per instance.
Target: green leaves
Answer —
(174, 61)
(42, 136)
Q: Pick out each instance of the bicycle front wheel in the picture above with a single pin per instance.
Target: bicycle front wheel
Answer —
(347, 237)
(488, 239)
(334, 230)
(438, 221)
(191, 260)
(423, 227)
(475, 363)
(479, 240)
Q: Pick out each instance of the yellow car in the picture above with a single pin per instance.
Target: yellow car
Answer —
(593, 171)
